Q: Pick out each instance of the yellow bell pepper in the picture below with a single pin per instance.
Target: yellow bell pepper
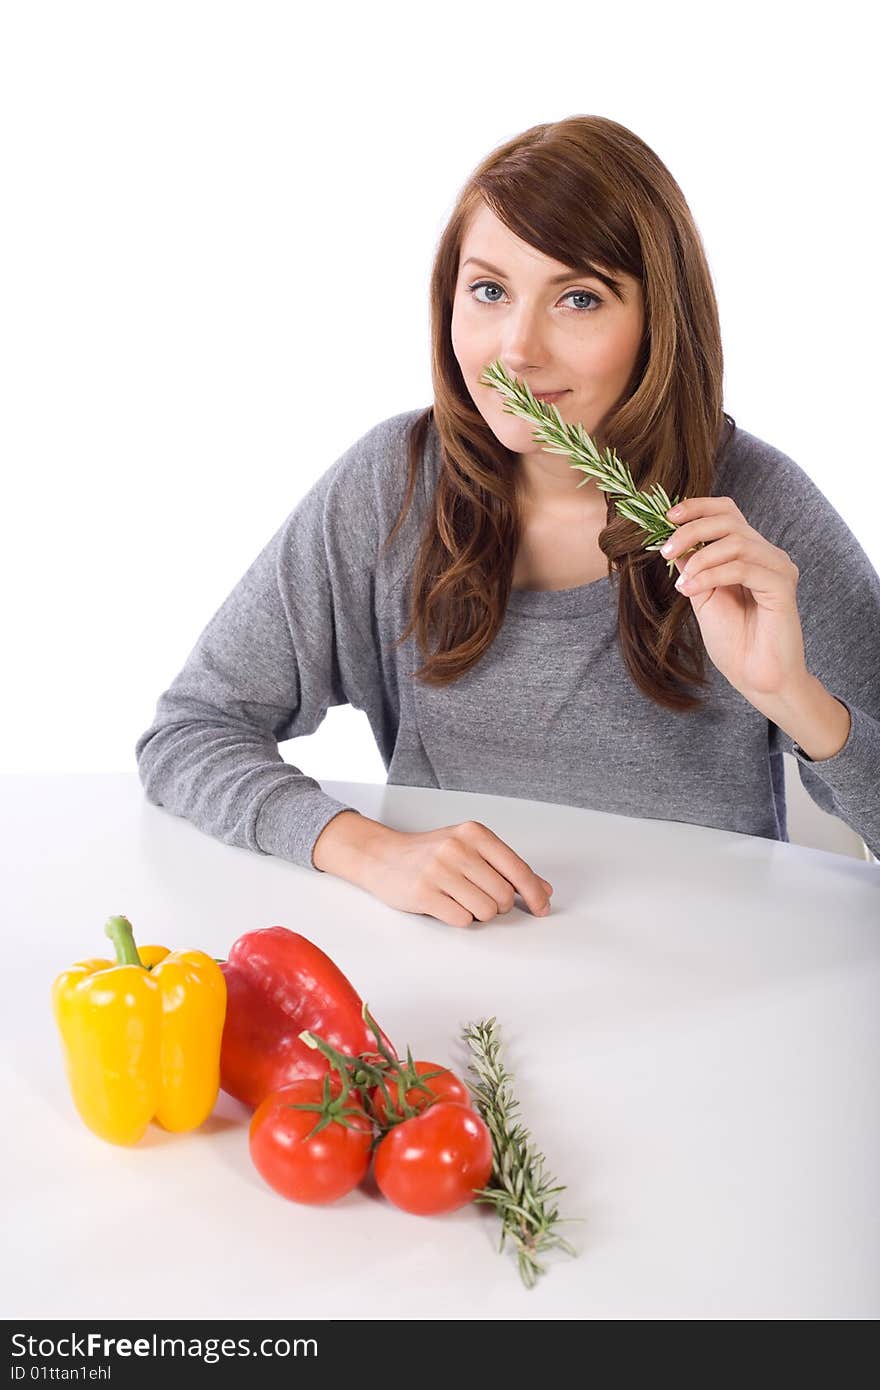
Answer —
(141, 1036)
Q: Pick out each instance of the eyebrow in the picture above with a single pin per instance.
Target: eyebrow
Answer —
(573, 273)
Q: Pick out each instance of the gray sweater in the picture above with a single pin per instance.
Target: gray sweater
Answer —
(549, 713)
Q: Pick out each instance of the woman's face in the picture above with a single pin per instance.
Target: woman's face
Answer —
(555, 329)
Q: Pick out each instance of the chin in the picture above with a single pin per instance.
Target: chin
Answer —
(516, 437)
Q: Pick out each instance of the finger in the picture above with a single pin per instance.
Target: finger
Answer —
(693, 507)
(501, 891)
(730, 548)
(447, 910)
(458, 884)
(509, 864)
(466, 875)
(758, 579)
(701, 532)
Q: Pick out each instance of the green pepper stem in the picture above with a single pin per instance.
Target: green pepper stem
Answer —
(120, 932)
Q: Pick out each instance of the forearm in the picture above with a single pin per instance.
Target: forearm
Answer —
(810, 715)
(348, 844)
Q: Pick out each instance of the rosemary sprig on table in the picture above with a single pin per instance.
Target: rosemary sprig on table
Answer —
(518, 1188)
(647, 509)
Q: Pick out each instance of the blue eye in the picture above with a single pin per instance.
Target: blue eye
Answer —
(580, 309)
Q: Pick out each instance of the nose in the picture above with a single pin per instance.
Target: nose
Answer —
(522, 345)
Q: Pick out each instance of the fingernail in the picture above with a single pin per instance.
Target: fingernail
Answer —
(666, 549)
(675, 511)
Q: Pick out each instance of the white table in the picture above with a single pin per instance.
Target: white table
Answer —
(694, 1032)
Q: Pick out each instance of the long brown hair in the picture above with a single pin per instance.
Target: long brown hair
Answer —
(584, 189)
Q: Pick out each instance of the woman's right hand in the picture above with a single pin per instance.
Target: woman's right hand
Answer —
(458, 873)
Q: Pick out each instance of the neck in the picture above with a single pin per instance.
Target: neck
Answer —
(551, 489)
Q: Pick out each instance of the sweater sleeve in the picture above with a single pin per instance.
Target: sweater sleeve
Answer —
(838, 598)
(292, 638)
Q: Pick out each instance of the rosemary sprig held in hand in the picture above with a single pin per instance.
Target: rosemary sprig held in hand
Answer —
(518, 1188)
(647, 509)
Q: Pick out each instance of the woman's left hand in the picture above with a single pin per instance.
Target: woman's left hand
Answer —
(742, 590)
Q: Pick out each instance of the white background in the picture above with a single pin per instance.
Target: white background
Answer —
(218, 229)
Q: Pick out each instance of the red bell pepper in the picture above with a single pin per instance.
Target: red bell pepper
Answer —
(278, 984)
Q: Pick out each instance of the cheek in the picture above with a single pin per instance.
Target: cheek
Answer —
(466, 344)
(611, 355)
(458, 339)
(467, 324)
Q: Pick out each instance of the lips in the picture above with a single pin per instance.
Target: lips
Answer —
(548, 395)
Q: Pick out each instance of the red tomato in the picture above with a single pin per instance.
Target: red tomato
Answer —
(313, 1170)
(446, 1086)
(435, 1162)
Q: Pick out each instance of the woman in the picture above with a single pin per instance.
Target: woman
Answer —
(503, 628)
